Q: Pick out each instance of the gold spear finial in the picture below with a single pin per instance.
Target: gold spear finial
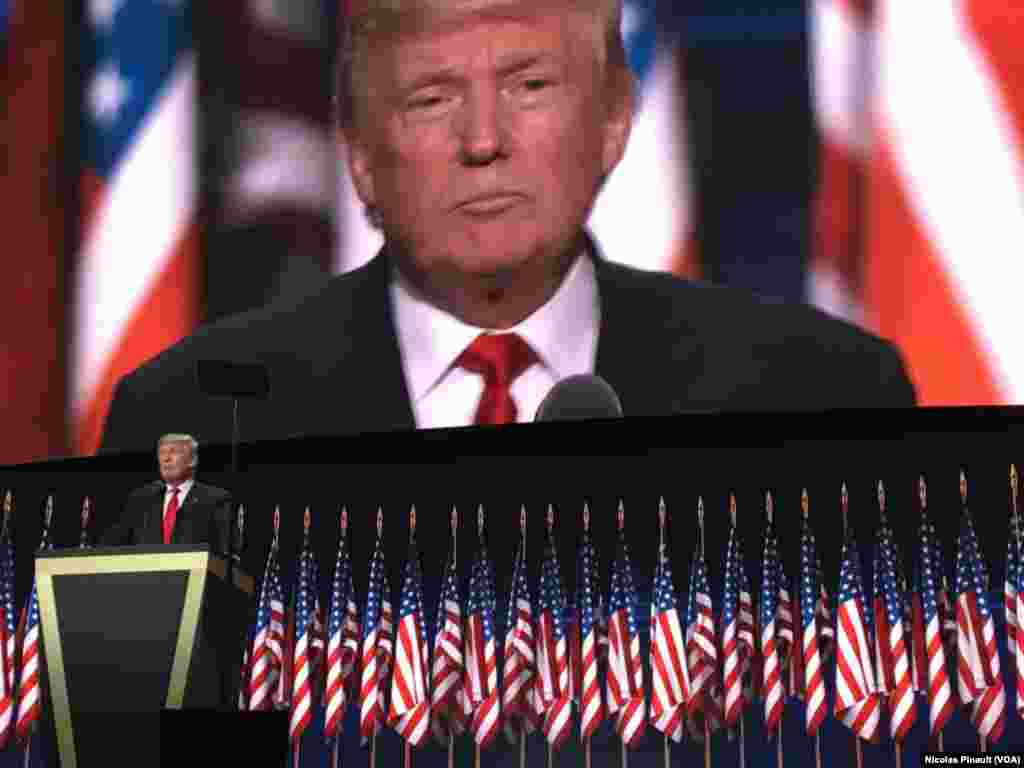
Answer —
(769, 506)
(922, 491)
(732, 509)
(805, 503)
(622, 516)
(586, 518)
(963, 487)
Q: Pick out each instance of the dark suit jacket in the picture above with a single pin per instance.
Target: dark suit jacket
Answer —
(204, 518)
(666, 345)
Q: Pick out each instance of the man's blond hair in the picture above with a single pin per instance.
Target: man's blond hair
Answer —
(374, 19)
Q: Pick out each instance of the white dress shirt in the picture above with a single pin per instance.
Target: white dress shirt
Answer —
(563, 334)
(183, 489)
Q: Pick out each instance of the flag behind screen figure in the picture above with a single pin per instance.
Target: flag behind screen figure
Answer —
(137, 275)
(899, 248)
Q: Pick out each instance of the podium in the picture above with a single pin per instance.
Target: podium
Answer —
(135, 630)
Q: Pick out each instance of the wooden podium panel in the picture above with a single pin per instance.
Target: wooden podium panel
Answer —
(136, 630)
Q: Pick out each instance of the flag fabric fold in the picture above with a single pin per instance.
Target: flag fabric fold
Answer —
(625, 678)
(670, 683)
(450, 710)
(585, 650)
(519, 672)
(552, 684)
(481, 657)
(856, 703)
(8, 639)
(979, 683)
(376, 647)
(772, 643)
(929, 647)
(343, 633)
(808, 653)
(892, 642)
(409, 712)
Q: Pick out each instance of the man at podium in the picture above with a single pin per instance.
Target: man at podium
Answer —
(176, 509)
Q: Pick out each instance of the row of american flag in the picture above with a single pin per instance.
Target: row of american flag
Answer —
(21, 652)
(566, 663)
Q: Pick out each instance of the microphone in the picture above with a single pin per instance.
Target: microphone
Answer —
(583, 396)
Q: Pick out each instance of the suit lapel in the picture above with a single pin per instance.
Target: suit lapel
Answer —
(648, 364)
(364, 379)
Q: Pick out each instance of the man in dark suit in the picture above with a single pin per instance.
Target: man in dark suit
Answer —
(478, 135)
(176, 509)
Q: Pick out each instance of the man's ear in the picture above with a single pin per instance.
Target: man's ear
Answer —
(621, 106)
(358, 156)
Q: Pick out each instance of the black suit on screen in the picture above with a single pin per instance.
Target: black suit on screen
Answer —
(666, 345)
(204, 518)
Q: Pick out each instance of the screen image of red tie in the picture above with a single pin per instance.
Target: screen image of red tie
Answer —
(499, 358)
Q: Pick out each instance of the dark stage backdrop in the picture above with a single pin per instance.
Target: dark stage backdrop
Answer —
(636, 461)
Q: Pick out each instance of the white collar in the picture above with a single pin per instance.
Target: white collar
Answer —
(563, 332)
(183, 488)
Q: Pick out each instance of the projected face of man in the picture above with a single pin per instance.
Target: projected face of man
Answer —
(482, 141)
(176, 461)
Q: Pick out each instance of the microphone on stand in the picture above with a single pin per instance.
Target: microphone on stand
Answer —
(583, 396)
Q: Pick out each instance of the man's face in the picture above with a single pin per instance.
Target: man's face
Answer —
(175, 462)
(484, 139)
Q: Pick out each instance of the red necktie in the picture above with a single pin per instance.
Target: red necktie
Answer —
(170, 514)
(499, 358)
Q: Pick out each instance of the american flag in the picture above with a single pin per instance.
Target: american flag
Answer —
(586, 687)
(812, 683)
(552, 684)
(979, 682)
(343, 639)
(138, 273)
(625, 680)
(771, 631)
(377, 643)
(520, 669)
(737, 632)
(303, 661)
(670, 680)
(317, 632)
(264, 654)
(701, 648)
(893, 642)
(8, 628)
(1013, 565)
(481, 656)
(1019, 641)
(409, 713)
(450, 710)
(929, 648)
(278, 639)
(30, 652)
(856, 693)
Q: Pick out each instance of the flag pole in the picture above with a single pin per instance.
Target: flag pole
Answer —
(743, 752)
(455, 561)
(661, 556)
(845, 501)
(408, 755)
(522, 745)
(522, 721)
(899, 754)
(778, 744)
(707, 726)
